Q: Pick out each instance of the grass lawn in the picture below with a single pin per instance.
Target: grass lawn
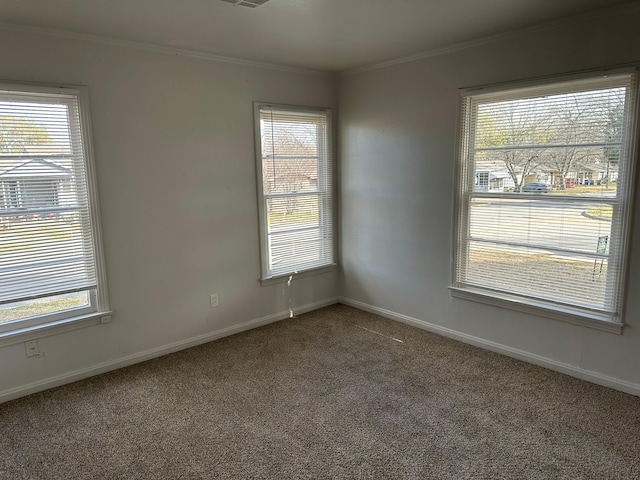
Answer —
(582, 189)
(544, 276)
(605, 212)
(19, 237)
(39, 307)
(36, 235)
(280, 218)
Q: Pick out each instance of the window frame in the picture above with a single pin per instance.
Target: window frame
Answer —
(98, 310)
(462, 202)
(266, 277)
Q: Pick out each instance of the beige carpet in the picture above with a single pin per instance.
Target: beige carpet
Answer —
(320, 397)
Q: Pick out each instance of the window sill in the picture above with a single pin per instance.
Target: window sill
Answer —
(575, 317)
(20, 335)
(303, 274)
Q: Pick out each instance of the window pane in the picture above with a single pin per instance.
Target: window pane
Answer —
(551, 226)
(539, 275)
(543, 185)
(295, 163)
(308, 248)
(290, 174)
(42, 306)
(298, 211)
(562, 140)
(290, 135)
(47, 249)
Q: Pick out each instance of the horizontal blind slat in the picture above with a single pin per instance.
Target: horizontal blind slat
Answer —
(552, 246)
(297, 177)
(46, 245)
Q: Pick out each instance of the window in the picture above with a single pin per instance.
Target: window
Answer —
(544, 197)
(294, 164)
(50, 258)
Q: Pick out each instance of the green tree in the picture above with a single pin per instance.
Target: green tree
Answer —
(18, 135)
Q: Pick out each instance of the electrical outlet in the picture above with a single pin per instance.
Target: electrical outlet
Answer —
(32, 349)
(213, 300)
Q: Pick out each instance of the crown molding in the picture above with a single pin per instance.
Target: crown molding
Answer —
(157, 48)
(203, 55)
(512, 34)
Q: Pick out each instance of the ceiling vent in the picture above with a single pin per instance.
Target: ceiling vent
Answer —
(246, 3)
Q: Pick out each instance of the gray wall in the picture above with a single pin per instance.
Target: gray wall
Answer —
(174, 152)
(398, 129)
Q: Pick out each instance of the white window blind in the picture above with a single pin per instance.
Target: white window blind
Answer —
(544, 195)
(47, 245)
(296, 189)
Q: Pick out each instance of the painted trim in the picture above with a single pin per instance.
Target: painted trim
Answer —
(86, 133)
(574, 316)
(512, 34)
(571, 370)
(157, 48)
(103, 367)
(327, 170)
(56, 327)
(615, 76)
(280, 279)
(76, 99)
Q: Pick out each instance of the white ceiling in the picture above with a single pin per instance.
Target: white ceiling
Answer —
(329, 35)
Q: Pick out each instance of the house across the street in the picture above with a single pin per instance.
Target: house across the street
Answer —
(33, 183)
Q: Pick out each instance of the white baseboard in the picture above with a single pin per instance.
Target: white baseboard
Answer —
(138, 357)
(594, 377)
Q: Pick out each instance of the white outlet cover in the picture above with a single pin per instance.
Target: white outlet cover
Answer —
(213, 300)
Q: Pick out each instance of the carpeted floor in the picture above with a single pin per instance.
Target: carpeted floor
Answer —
(319, 396)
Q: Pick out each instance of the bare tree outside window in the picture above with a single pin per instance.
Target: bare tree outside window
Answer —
(47, 244)
(290, 164)
(504, 130)
(296, 210)
(569, 140)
